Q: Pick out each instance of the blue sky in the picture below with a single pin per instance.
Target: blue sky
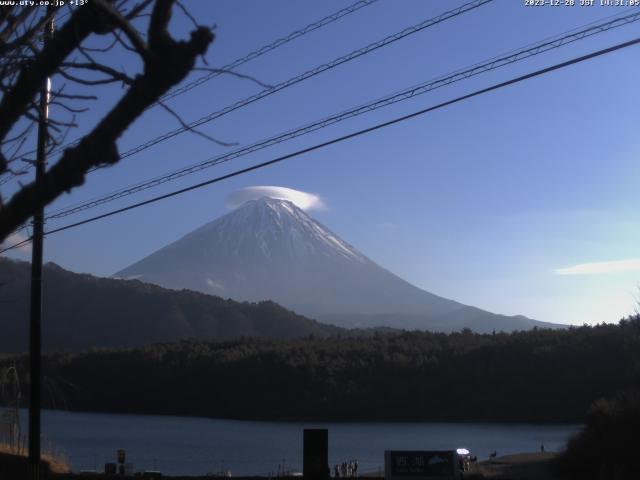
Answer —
(482, 202)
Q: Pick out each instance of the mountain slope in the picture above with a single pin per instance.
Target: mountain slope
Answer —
(82, 311)
(270, 249)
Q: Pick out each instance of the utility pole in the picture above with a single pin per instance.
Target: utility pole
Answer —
(35, 321)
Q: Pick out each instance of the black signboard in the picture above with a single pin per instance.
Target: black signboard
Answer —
(315, 454)
(422, 464)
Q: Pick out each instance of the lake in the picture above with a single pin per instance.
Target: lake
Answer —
(191, 446)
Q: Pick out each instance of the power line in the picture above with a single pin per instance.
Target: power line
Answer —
(309, 74)
(272, 46)
(296, 79)
(358, 133)
(406, 94)
(235, 63)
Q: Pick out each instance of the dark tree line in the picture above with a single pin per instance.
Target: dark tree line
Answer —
(607, 447)
(536, 376)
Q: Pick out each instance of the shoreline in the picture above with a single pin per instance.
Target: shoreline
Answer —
(319, 420)
(192, 446)
(521, 466)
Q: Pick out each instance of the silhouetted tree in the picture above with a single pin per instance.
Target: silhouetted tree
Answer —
(607, 447)
(73, 57)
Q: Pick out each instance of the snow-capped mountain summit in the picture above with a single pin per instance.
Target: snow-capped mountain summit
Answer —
(269, 249)
(280, 229)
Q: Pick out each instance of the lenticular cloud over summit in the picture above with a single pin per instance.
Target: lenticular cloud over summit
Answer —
(303, 200)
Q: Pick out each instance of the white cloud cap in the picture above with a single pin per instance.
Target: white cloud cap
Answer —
(596, 268)
(303, 200)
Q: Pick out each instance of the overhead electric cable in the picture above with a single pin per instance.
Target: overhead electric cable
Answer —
(18, 245)
(235, 63)
(309, 74)
(305, 76)
(267, 48)
(478, 68)
(298, 78)
(333, 141)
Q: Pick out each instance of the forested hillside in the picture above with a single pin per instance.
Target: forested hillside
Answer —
(81, 311)
(538, 376)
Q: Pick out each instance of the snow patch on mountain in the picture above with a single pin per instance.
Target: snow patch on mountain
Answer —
(270, 249)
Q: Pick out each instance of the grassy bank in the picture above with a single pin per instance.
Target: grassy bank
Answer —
(522, 466)
(13, 463)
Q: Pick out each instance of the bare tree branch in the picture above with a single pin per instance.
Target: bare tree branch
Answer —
(189, 128)
(233, 73)
(98, 67)
(103, 81)
(117, 20)
(187, 14)
(68, 108)
(138, 9)
(166, 63)
(44, 65)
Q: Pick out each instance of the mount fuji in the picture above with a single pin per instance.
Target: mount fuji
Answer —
(269, 249)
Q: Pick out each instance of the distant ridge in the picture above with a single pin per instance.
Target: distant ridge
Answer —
(81, 311)
(271, 249)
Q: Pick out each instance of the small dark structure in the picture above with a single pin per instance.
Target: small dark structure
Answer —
(316, 454)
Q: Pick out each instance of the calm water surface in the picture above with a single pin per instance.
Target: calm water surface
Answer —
(183, 445)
